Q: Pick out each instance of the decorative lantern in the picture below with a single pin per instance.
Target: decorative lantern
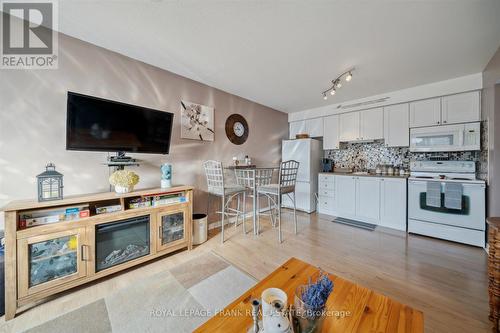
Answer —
(50, 184)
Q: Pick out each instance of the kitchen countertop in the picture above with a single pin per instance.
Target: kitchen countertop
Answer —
(338, 173)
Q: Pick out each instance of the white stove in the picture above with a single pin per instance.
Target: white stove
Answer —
(445, 200)
(455, 171)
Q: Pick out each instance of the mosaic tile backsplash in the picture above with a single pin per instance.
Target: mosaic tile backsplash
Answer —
(369, 155)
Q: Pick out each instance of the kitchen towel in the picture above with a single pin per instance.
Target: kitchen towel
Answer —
(433, 196)
(453, 195)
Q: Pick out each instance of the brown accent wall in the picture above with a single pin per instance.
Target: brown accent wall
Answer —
(491, 112)
(33, 122)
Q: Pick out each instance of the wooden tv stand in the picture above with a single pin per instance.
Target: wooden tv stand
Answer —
(44, 260)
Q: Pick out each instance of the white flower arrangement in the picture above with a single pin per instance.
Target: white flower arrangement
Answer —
(123, 180)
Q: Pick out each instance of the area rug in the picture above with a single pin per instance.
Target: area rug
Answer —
(177, 300)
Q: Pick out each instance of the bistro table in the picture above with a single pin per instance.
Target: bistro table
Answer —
(252, 171)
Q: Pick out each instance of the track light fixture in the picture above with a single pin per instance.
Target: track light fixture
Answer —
(348, 77)
(337, 83)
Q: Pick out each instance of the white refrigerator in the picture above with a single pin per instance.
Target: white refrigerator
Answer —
(308, 153)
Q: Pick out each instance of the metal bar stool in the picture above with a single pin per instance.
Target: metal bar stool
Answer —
(285, 186)
(250, 179)
(216, 186)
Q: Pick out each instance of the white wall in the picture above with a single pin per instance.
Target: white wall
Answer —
(33, 123)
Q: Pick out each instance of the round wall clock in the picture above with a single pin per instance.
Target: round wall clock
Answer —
(237, 129)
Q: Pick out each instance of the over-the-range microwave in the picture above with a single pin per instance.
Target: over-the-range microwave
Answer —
(460, 137)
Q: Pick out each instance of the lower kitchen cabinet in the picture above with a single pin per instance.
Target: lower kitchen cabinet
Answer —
(376, 200)
(345, 187)
(368, 199)
(393, 204)
(326, 194)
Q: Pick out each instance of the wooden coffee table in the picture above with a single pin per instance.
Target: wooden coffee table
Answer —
(358, 309)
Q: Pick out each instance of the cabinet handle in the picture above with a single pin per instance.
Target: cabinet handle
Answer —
(160, 233)
(83, 248)
(444, 122)
(438, 122)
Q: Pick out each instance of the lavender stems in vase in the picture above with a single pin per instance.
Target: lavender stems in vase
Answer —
(310, 301)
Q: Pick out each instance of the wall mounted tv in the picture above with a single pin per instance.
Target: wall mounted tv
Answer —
(102, 125)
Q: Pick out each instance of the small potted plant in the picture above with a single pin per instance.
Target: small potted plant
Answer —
(123, 181)
(310, 302)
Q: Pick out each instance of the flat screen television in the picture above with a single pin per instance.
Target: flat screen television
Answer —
(98, 124)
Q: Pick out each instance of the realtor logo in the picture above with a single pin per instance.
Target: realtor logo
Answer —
(29, 37)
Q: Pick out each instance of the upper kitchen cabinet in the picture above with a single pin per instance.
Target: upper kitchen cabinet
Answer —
(425, 113)
(371, 124)
(396, 125)
(349, 126)
(314, 127)
(297, 127)
(461, 108)
(453, 109)
(331, 132)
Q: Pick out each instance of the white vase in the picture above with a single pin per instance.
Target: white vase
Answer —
(123, 189)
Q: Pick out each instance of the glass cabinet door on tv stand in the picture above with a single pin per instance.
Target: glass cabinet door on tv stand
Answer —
(50, 260)
(171, 228)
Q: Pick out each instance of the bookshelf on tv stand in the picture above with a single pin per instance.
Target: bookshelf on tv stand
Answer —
(21, 294)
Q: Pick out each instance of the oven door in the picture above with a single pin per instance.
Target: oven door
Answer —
(472, 214)
(437, 138)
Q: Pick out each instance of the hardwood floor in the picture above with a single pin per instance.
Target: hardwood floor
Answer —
(447, 281)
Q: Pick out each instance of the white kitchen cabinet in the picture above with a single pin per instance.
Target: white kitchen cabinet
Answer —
(314, 127)
(425, 113)
(349, 126)
(396, 125)
(371, 124)
(326, 194)
(368, 199)
(331, 132)
(297, 127)
(376, 200)
(393, 203)
(461, 108)
(345, 188)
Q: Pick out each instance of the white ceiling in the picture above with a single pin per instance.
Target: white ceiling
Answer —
(284, 53)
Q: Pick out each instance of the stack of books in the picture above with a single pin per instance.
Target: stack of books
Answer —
(108, 209)
(168, 199)
(53, 215)
(140, 203)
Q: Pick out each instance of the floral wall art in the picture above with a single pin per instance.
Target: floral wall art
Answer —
(197, 121)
